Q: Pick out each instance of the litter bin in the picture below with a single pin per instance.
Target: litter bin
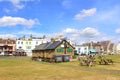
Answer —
(66, 58)
(58, 58)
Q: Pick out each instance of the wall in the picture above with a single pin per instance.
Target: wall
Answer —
(61, 49)
(118, 48)
(81, 49)
(29, 44)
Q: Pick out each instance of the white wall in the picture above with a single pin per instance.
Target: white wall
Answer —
(81, 49)
(18, 44)
(34, 42)
(118, 48)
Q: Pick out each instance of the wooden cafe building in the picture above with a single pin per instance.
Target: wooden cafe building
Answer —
(57, 51)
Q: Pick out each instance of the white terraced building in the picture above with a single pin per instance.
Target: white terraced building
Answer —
(81, 50)
(118, 48)
(28, 44)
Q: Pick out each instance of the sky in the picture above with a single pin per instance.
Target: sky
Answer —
(77, 20)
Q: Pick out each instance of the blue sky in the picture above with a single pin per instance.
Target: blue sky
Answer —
(78, 20)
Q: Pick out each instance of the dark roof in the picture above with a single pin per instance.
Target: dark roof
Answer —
(47, 46)
(41, 46)
(53, 45)
(7, 41)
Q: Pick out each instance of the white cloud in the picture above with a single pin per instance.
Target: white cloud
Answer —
(70, 31)
(75, 35)
(17, 4)
(110, 16)
(86, 32)
(67, 4)
(38, 34)
(14, 21)
(6, 36)
(29, 32)
(81, 35)
(104, 38)
(78, 36)
(118, 31)
(89, 32)
(85, 13)
(113, 39)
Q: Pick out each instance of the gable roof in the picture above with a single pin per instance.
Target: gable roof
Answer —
(47, 46)
(53, 45)
(41, 46)
(7, 41)
(50, 45)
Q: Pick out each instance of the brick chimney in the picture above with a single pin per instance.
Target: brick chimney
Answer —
(52, 40)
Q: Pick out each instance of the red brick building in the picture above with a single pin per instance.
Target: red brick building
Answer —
(106, 47)
(7, 46)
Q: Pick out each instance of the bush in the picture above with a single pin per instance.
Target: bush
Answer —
(75, 56)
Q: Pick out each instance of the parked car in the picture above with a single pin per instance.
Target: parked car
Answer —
(20, 54)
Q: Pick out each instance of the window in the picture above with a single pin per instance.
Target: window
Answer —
(26, 42)
(69, 50)
(28, 47)
(18, 42)
(20, 47)
(29, 42)
(21, 42)
(59, 50)
(85, 52)
(36, 42)
(85, 48)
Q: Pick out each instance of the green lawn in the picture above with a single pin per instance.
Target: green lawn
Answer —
(22, 68)
(114, 66)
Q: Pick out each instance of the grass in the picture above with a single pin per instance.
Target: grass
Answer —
(115, 66)
(22, 68)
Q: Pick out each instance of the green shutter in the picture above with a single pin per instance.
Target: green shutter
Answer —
(59, 50)
(69, 50)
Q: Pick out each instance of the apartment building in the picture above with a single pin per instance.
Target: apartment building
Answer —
(28, 44)
(7, 46)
